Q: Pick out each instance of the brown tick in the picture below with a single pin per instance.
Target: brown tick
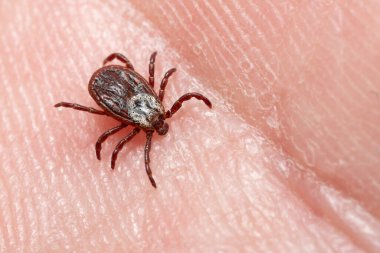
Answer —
(126, 96)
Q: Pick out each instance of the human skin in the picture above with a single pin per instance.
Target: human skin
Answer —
(288, 159)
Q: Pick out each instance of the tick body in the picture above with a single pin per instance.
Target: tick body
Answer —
(126, 96)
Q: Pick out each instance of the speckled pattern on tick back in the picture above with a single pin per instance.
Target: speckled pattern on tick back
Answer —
(126, 94)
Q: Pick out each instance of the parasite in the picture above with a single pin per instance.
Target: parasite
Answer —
(128, 97)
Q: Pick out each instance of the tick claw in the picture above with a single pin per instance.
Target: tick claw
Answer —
(153, 182)
(97, 151)
(208, 103)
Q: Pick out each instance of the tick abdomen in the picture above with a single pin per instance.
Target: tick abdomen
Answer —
(126, 94)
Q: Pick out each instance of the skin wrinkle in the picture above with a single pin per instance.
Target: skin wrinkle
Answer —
(277, 13)
(30, 219)
(260, 53)
(345, 206)
(85, 208)
(342, 97)
(16, 208)
(215, 54)
(77, 160)
(15, 211)
(266, 20)
(114, 209)
(5, 115)
(11, 97)
(212, 51)
(241, 51)
(336, 221)
(27, 183)
(205, 20)
(5, 213)
(355, 89)
(73, 200)
(200, 31)
(246, 58)
(223, 26)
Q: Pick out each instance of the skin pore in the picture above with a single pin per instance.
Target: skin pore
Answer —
(286, 161)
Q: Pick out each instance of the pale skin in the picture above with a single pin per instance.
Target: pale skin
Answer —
(286, 161)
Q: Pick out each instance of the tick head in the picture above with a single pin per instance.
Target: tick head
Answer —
(160, 126)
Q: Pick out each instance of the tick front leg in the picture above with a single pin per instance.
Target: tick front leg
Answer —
(164, 82)
(151, 69)
(121, 144)
(187, 96)
(120, 57)
(147, 160)
(104, 136)
(80, 108)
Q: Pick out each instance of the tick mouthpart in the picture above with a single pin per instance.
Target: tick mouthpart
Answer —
(161, 127)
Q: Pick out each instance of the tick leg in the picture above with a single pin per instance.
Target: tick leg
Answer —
(151, 69)
(164, 82)
(104, 136)
(147, 160)
(120, 57)
(184, 98)
(80, 108)
(120, 145)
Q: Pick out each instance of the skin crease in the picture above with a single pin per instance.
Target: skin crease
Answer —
(286, 161)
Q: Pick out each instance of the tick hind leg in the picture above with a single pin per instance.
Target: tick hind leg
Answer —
(104, 136)
(147, 159)
(151, 69)
(183, 98)
(121, 58)
(80, 108)
(120, 145)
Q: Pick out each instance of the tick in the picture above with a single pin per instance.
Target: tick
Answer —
(126, 96)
